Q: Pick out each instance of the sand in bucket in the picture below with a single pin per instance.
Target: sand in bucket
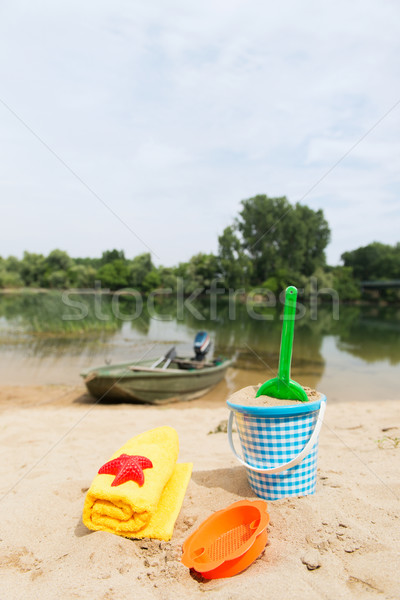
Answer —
(279, 440)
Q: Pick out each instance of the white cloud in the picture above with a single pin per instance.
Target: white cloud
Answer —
(174, 112)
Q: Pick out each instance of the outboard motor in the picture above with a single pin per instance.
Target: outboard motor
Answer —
(202, 344)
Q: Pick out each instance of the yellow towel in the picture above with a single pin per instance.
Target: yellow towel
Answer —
(147, 511)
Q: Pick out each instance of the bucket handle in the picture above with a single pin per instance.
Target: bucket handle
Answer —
(295, 461)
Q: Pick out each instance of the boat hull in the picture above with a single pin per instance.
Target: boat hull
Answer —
(154, 387)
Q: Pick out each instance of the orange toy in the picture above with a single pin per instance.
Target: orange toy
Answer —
(228, 541)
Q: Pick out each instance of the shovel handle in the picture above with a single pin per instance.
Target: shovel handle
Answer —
(289, 315)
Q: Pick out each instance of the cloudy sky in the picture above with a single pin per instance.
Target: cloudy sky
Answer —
(142, 125)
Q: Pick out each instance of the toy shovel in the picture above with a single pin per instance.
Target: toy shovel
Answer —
(283, 387)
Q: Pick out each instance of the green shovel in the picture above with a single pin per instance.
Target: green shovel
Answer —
(283, 387)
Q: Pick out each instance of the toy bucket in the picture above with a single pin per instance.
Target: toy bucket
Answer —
(279, 445)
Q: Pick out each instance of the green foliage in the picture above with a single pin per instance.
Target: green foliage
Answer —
(281, 279)
(114, 275)
(390, 295)
(51, 271)
(110, 255)
(12, 264)
(95, 263)
(57, 279)
(276, 235)
(82, 276)
(9, 273)
(152, 281)
(235, 265)
(9, 279)
(272, 284)
(199, 273)
(139, 268)
(321, 279)
(58, 260)
(33, 269)
(168, 278)
(270, 245)
(374, 262)
(345, 284)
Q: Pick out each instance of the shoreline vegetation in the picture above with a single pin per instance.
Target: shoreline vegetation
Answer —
(256, 297)
(258, 256)
(251, 297)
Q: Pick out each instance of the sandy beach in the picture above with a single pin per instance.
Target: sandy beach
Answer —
(341, 543)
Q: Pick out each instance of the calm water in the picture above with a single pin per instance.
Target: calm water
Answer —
(46, 341)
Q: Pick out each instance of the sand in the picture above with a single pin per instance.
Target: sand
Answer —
(247, 397)
(341, 543)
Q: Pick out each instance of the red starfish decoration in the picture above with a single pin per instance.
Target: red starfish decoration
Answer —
(126, 467)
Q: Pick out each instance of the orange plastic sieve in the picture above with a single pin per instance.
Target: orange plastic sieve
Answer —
(228, 541)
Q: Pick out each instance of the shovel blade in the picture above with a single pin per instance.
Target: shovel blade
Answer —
(277, 388)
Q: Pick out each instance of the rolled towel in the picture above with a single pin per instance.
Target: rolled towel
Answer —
(147, 511)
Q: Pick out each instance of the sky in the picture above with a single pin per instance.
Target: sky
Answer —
(142, 125)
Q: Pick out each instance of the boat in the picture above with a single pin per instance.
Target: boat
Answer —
(178, 379)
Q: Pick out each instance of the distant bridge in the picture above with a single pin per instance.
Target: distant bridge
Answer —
(380, 285)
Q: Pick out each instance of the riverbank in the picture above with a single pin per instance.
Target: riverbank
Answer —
(253, 298)
(341, 543)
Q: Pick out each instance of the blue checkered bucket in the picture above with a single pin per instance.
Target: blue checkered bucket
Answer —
(279, 446)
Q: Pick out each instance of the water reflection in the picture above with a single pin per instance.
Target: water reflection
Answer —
(372, 335)
(35, 332)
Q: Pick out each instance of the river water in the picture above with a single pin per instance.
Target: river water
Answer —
(350, 354)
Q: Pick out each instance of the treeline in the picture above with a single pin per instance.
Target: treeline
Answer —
(270, 245)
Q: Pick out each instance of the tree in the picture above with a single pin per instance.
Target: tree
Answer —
(345, 284)
(58, 260)
(81, 276)
(56, 265)
(139, 267)
(235, 265)
(152, 281)
(313, 230)
(168, 278)
(114, 275)
(282, 278)
(9, 273)
(110, 255)
(57, 279)
(375, 261)
(276, 235)
(33, 269)
(95, 263)
(199, 272)
(12, 264)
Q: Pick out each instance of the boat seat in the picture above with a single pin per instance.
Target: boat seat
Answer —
(190, 364)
